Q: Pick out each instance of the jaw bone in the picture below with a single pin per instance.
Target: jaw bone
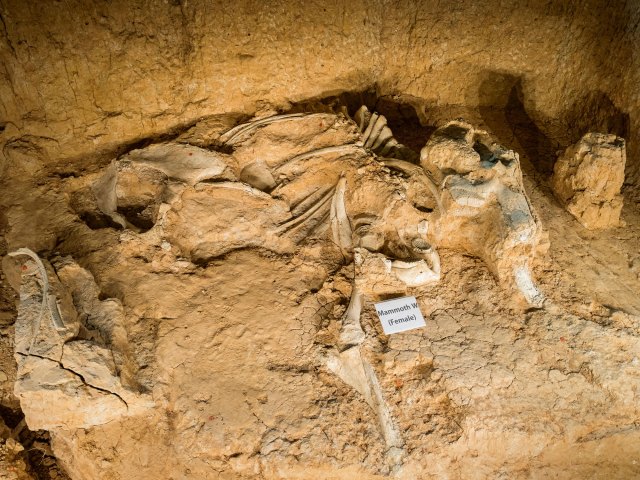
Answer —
(416, 274)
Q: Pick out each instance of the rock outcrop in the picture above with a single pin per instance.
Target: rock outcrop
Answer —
(587, 179)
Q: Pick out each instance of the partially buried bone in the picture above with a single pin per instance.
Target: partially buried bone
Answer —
(482, 195)
(415, 172)
(238, 131)
(351, 333)
(133, 188)
(49, 302)
(378, 137)
(358, 373)
(340, 225)
(79, 376)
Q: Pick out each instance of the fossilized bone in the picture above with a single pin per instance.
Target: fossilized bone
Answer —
(525, 283)
(415, 171)
(351, 333)
(514, 204)
(344, 149)
(231, 135)
(378, 137)
(358, 373)
(415, 274)
(340, 226)
(67, 368)
(307, 214)
(348, 362)
(49, 302)
(349, 365)
(476, 177)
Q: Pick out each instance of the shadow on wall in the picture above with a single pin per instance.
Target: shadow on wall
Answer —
(595, 112)
(501, 105)
(502, 108)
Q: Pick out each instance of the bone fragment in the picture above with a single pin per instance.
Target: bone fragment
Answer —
(356, 372)
(352, 333)
(258, 176)
(294, 222)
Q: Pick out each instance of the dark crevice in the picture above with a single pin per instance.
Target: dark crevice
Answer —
(40, 461)
(422, 208)
(99, 220)
(503, 111)
(405, 123)
(486, 155)
(456, 132)
(140, 216)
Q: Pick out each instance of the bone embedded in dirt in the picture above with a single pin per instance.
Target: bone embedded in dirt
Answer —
(486, 211)
(64, 381)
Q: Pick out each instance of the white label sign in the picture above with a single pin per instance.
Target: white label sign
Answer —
(399, 315)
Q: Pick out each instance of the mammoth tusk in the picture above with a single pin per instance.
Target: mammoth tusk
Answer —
(339, 221)
(48, 301)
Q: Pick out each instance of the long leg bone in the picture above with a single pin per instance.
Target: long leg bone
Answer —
(352, 333)
(356, 372)
(348, 363)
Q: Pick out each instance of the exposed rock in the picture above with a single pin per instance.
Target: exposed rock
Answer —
(12, 462)
(587, 179)
(238, 330)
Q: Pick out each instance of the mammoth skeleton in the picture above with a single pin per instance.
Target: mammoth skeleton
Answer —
(288, 180)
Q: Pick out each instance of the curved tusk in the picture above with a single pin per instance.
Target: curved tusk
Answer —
(340, 225)
(48, 301)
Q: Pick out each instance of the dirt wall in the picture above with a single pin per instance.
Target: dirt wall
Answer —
(84, 77)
